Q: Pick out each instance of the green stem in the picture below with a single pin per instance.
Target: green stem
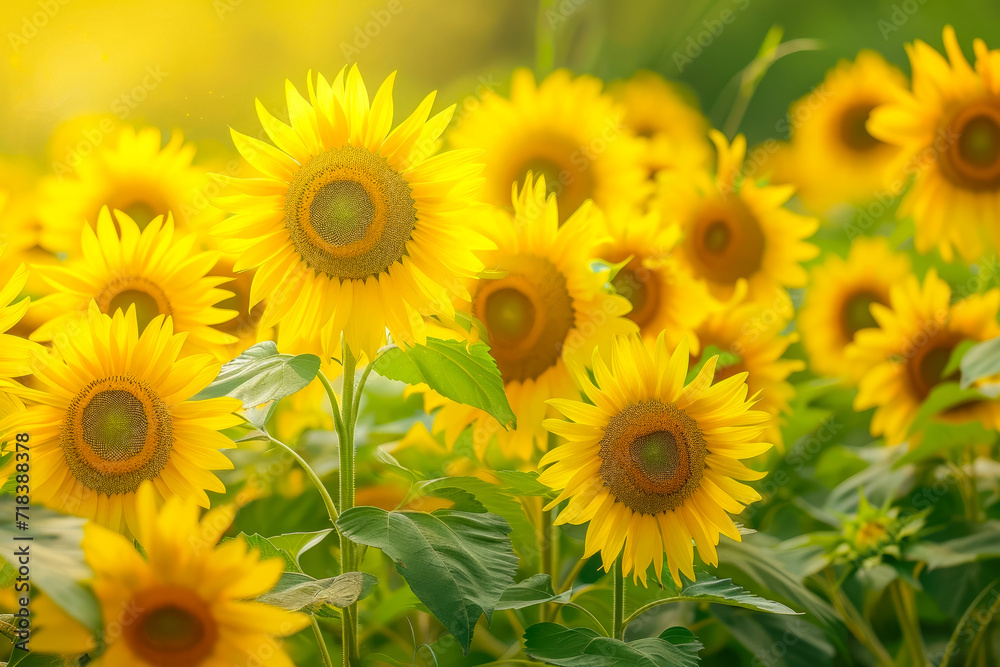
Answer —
(855, 623)
(349, 626)
(545, 549)
(323, 650)
(567, 583)
(907, 616)
(618, 608)
(545, 47)
(331, 509)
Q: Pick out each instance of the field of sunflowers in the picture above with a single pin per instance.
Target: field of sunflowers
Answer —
(537, 332)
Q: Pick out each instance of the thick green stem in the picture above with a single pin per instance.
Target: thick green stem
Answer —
(323, 650)
(618, 608)
(906, 613)
(348, 552)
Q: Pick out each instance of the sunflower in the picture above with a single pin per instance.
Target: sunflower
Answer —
(188, 601)
(664, 296)
(548, 308)
(651, 462)
(565, 129)
(907, 354)
(245, 326)
(114, 412)
(353, 228)
(749, 336)
(133, 173)
(735, 230)
(16, 353)
(149, 269)
(837, 303)
(949, 132)
(672, 129)
(830, 121)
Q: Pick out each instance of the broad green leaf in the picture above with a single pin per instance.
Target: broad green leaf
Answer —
(261, 375)
(296, 544)
(461, 372)
(982, 361)
(971, 625)
(57, 563)
(297, 594)
(457, 563)
(944, 396)
(534, 590)
(954, 364)
(709, 588)
(267, 550)
(980, 542)
(943, 438)
(523, 483)
(582, 647)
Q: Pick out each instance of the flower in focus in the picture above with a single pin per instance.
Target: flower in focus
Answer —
(549, 308)
(907, 355)
(564, 129)
(188, 602)
(668, 123)
(131, 173)
(952, 116)
(838, 302)
(652, 462)
(353, 227)
(735, 230)
(115, 411)
(152, 270)
(830, 121)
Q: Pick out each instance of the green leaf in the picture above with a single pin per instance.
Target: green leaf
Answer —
(778, 641)
(944, 396)
(708, 588)
(941, 438)
(971, 624)
(57, 562)
(261, 375)
(457, 563)
(981, 361)
(268, 550)
(582, 647)
(294, 593)
(461, 372)
(980, 542)
(296, 544)
(523, 483)
(534, 590)
(958, 353)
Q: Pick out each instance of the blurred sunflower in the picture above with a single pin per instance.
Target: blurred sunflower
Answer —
(652, 462)
(837, 303)
(672, 129)
(188, 602)
(907, 354)
(133, 173)
(151, 270)
(953, 116)
(565, 129)
(830, 121)
(115, 411)
(353, 228)
(735, 230)
(664, 296)
(245, 326)
(549, 308)
(749, 337)
(15, 352)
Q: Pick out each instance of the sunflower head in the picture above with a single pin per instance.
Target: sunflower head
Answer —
(354, 227)
(114, 411)
(184, 600)
(735, 231)
(652, 461)
(948, 130)
(564, 129)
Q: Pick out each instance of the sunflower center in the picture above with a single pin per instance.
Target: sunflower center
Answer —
(726, 242)
(853, 130)
(639, 285)
(174, 627)
(141, 212)
(652, 456)
(528, 315)
(567, 170)
(927, 366)
(349, 214)
(117, 433)
(857, 315)
(247, 318)
(972, 160)
(148, 298)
